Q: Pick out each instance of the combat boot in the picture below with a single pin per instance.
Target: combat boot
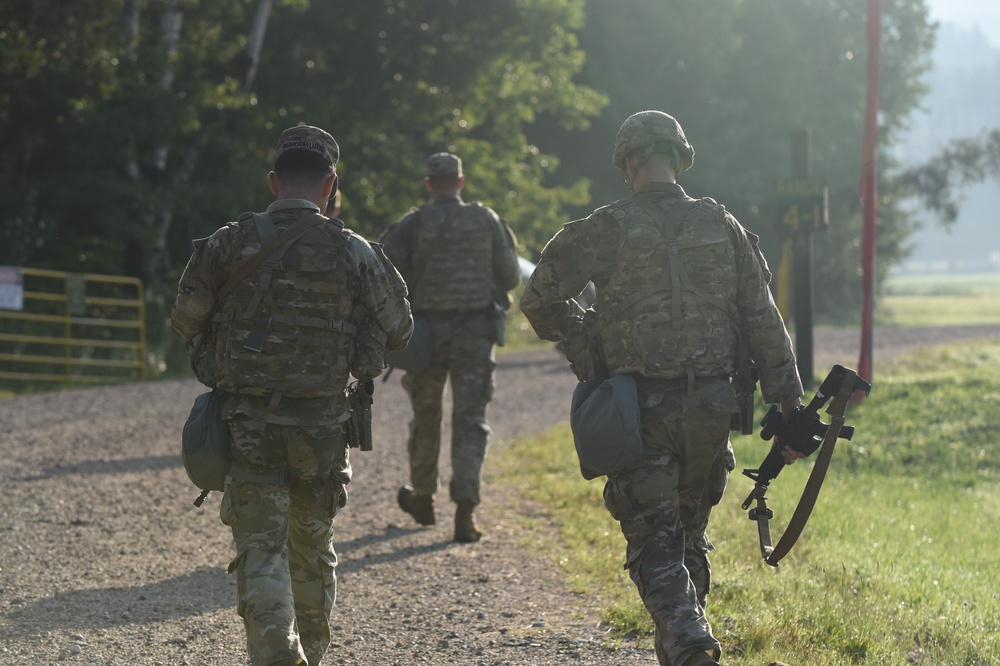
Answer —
(420, 506)
(465, 524)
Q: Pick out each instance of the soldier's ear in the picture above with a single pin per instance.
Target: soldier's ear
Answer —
(272, 182)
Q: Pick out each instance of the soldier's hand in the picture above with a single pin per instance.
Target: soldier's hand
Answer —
(790, 455)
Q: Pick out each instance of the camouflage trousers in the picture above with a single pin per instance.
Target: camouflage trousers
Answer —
(285, 562)
(663, 505)
(463, 352)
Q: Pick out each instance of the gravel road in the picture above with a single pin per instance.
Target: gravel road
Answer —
(104, 560)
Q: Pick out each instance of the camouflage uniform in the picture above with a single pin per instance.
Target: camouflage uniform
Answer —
(283, 532)
(675, 332)
(458, 259)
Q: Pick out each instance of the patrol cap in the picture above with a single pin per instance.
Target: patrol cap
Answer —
(440, 164)
(310, 139)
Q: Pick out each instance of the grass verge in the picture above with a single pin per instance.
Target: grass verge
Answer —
(898, 564)
(957, 300)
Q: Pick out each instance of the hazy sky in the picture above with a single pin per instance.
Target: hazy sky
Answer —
(969, 13)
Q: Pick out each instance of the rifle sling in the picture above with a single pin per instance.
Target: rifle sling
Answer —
(836, 410)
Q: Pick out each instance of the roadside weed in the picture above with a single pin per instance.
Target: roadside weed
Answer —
(897, 565)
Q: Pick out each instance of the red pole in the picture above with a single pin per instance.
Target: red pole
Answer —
(869, 190)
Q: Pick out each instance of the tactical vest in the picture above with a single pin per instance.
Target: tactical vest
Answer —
(453, 258)
(668, 310)
(287, 327)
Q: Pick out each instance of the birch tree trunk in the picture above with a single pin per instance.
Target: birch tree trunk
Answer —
(160, 221)
(256, 43)
(158, 260)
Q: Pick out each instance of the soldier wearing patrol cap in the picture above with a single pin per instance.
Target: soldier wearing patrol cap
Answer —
(282, 344)
(459, 261)
(680, 283)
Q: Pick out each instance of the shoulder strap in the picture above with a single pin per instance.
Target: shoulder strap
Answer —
(265, 227)
(302, 225)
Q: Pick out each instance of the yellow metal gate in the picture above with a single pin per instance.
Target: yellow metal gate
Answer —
(70, 327)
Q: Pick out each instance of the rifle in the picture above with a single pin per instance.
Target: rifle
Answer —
(805, 432)
(360, 396)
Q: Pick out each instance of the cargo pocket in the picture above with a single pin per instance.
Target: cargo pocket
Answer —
(719, 476)
(617, 503)
(491, 381)
(237, 565)
(226, 511)
(339, 492)
(329, 582)
(633, 557)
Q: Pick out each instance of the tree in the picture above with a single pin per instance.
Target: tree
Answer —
(117, 119)
(962, 162)
(123, 144)
(163, 130)
(160, 132)
(396, 81)
(741, 77)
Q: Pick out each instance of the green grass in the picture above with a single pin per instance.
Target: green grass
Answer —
(952, 284)
(935, 300)
(898, 564)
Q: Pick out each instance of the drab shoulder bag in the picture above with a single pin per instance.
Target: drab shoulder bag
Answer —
(607, 431)
(205, 444)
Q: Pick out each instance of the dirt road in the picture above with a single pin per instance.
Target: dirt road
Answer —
(104, 560)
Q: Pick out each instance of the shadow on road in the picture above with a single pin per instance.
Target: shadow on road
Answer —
(203, 590)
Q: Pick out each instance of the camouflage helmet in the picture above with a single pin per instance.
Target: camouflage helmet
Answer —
(644, 131)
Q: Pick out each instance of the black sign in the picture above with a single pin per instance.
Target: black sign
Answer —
(803, 204)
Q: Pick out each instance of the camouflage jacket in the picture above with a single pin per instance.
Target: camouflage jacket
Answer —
(638, 335)
(369, 286)
(454, 256)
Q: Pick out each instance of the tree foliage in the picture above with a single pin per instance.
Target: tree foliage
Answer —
(961, 162)
(132, 126)
(156, 134)
(108, 109)
(395, 81)
(741, 77)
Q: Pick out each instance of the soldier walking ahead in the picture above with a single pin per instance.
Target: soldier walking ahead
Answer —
(679, 283)
(459, 261)
(281, 343)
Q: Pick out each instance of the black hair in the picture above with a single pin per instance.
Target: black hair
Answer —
(302, 166)
(443, 181)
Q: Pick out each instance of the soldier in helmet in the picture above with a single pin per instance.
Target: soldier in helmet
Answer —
(459, 261)
(283, 338)
(680, 283)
